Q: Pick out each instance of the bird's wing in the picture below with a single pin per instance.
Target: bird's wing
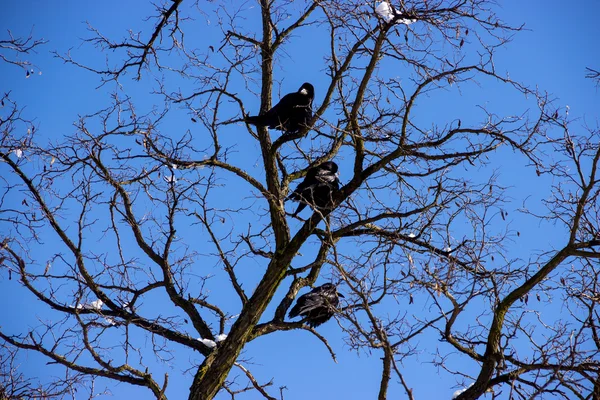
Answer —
(306, 303)
(286, 103)
(319, 316)
(297, 309)
(311, 301)
(309, 181)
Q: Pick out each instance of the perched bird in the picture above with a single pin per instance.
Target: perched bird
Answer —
(318, 305)
(317, 188)
(292, 113)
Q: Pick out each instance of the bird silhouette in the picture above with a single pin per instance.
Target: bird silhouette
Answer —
(292, 113)
(317, 188)
(318, 305)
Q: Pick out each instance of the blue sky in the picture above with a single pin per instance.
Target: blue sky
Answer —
(559, 42)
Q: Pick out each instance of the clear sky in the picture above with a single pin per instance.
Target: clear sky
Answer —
(560, 41)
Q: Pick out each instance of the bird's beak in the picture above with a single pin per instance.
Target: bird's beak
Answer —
(341, 295)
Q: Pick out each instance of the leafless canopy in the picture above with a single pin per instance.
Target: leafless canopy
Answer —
(160, 225)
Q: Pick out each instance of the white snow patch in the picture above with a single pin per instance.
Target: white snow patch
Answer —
(170, 179)
(94, 305)
(448, 249)
(385, 11)
(220, 338)
(18, 153)
(406, 21)
(412, 235)
(208, 342)
(460, 391)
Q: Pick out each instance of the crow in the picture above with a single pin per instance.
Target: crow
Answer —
(292, 113)
(317, 188)
(318, 305)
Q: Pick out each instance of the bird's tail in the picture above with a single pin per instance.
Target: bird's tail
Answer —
(301, 207)
(294, 197)
(294, 312)
(256, 120)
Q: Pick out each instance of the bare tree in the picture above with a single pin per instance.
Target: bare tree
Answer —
(412, 223)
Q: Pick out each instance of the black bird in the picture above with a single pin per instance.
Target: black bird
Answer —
(318, 305)
(292, 113)
(317, 188)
